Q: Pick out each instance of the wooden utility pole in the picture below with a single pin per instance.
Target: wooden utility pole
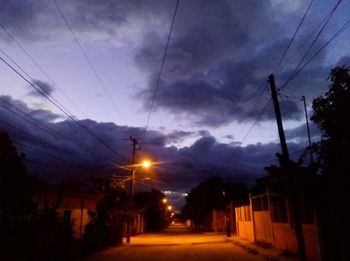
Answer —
(290, 179)
(134, 144)
(278, 117)
(131, 191)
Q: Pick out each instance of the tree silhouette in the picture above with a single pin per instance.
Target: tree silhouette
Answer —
(154, 208)
(15, 194)
(332, 114)
(25, 232)
(211, 194)
(106, 226)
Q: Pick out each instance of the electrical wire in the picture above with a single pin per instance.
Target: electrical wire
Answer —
(234, 166)
(303, 43)
(89, 62)
(335, 35)
(294, 35)
(47, 130)
(256, 121)
(161, 68)
(297, 68)
(87, 130)
(39, 67)
(39, 141)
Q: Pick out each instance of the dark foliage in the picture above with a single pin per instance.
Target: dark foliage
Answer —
(154, 209)
(211, 194)
(106, 226)
(332, 114)
(25, 232)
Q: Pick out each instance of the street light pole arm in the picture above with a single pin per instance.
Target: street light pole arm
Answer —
(133, 181)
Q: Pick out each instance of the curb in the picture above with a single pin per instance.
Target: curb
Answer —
(268, 254)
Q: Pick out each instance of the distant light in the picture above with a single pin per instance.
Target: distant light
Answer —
(170, 207)
(167, 192)
(165, 200)
(184, 194)
(146, 164)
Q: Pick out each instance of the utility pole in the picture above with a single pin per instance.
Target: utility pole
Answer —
(290, 180)
(278, 118)
(308, 128)
(134, 144)
(131, 191)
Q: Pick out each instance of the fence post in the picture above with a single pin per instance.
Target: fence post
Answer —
(271, 215)
(252, 215)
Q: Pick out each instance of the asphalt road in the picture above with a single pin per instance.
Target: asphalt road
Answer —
(177, 243)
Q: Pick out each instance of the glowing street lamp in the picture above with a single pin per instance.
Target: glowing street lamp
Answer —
(165, 200)
(146, 164)
(170, 207)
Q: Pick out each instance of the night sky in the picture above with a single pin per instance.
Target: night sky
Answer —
(212, 89)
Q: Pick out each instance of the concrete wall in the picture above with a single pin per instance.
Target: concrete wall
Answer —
(79, 219)
(218, 221)
(138, 224)
(78, 204)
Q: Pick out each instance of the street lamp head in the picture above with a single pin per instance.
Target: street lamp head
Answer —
(146, 164)
(165, 200)
(170, 207)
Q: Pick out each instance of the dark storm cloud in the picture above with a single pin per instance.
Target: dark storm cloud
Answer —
(178, 136)
(45, 115)
(44, 88)
(229, 137)
(212, 64)
(73, 154)
(220, 53)
(220, 56)
(299, 133)
(41, 21)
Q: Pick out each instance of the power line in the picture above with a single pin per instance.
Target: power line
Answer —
(27, 117)
(335, 35)
(39, 141)
(256, 121)
(307, 38)
(315, 39)
(62, 110)
(161, 67)
(294, 35)
(99, 79)
(261, 91)
(38, 163)
(39, 67)
(241, 165)
(276, 68)
(41, 89)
